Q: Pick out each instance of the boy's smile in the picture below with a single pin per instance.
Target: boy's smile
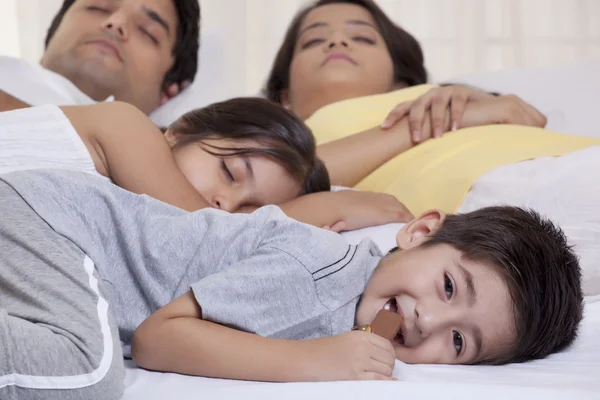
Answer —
(455, 310)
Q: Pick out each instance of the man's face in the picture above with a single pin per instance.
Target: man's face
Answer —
(456, 311)
(116, 47)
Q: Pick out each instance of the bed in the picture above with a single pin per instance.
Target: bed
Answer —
(571, 105)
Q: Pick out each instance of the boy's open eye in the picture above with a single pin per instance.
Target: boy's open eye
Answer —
(457, 341)
(448, 286)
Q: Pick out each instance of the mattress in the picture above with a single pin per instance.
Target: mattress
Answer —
(573, 374)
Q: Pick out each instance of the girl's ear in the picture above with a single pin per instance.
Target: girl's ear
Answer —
(172, 137)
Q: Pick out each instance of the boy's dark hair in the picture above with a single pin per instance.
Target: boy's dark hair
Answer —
(537, 263)
(282, 136)
(404, 49)
(186, 44)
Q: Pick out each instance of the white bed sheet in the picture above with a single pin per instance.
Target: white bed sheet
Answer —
(572, 374)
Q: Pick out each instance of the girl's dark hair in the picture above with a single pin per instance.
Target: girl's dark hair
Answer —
(404, 49)
(281, 136)
(186, 44)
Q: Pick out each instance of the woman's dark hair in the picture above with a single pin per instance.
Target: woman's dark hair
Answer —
(186, 44)
(404, 49)
(281, 136)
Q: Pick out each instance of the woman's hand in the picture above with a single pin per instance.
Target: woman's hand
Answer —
(435, 104)
(508, 109)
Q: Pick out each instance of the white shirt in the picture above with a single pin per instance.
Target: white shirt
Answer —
(35, 85)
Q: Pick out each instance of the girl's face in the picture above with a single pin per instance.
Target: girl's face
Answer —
(339, 54)
(235, 183)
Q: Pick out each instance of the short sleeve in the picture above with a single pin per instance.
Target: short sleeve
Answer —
(270, 293)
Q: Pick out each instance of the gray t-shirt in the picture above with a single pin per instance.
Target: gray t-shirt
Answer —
(263, 273)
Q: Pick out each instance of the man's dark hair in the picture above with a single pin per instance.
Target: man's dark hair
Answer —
(404, 49)
(186, 44)
(281, 136)
(540, 268)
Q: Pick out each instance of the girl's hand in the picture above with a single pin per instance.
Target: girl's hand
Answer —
(358, 209)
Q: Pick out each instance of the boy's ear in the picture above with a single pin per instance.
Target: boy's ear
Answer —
(172, 137)
(418, 230)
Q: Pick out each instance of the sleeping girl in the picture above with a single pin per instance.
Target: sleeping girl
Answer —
(236, 156)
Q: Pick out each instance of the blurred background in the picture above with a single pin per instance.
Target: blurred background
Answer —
(240, 37)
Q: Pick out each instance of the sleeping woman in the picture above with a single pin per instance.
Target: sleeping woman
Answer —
(358, 81)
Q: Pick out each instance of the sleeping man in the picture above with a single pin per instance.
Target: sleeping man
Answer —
(84, 263)
(137, 51)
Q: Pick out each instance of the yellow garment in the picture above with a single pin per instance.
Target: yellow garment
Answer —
(340, 119)
(439, 173)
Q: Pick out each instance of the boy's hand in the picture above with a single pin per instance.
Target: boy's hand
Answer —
(354, 355)
(358, 209)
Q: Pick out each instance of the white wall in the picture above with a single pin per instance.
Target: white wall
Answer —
(459, 36)
(9, 29)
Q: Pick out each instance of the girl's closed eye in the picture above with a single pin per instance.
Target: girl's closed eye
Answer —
(227, 171)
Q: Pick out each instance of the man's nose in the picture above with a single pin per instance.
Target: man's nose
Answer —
(117, 24)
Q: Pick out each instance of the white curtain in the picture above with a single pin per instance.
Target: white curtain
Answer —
(458, 36)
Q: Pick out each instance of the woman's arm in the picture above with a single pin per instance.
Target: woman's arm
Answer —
(131, 150)
(350, 159)
(176, 339)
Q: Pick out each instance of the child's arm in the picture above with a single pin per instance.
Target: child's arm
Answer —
(176, 339)
(346, 209)
(131, 150)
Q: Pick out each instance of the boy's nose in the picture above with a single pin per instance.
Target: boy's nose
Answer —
(434, 318)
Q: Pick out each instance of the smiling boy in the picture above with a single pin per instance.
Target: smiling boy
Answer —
(240, 296)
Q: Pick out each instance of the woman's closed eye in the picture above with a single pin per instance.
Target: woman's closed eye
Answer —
(98, 9)
(227, 171)
(311, 43)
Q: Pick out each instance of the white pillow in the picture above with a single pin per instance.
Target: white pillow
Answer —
(567, 95)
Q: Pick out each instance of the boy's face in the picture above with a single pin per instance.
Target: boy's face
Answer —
(456, 311)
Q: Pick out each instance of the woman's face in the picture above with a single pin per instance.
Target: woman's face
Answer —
(235, 183)
(339, 54)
